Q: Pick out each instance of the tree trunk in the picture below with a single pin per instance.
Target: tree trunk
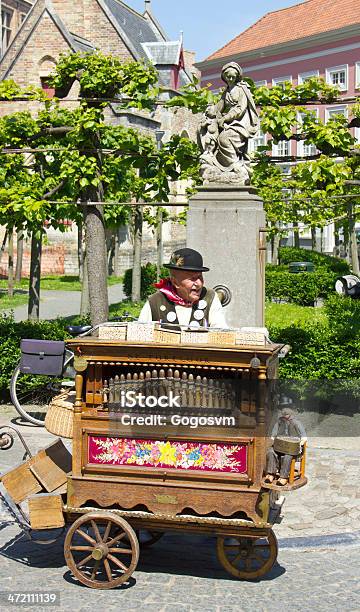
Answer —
(19, 255)
(313, 238)
(354, 258)
(275, 249)
(296, 236)
(35, 276)
(136, 276)
(85, 302)
(80, 251)
(116, 253)
(96, 264)
(11, 263)
(159, 243)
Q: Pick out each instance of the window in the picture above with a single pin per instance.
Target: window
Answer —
(357, 75)
(260, 83)
(336, 110)
(282, 149)
(258, 141)
(305, 76)
(281, 80)
(6, 18)
(338, 76)
(305, 149)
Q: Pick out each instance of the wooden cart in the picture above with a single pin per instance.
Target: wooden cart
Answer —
(146, 470)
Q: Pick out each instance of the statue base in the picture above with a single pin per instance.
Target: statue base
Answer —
(226, 223)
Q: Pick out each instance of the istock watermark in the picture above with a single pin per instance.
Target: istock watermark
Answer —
(131, 399)
(177, 420)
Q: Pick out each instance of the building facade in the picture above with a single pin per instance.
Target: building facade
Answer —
(51, 27)
(313, 38)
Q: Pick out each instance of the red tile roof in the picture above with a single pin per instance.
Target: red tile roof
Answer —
(306, 19)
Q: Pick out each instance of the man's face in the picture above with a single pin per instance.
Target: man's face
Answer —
(188, 284)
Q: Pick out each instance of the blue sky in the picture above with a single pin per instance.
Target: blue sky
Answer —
(208, 24)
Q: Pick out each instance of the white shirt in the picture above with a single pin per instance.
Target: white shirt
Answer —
(216, 314)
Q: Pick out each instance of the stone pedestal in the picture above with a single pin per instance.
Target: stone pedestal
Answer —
(225, 224)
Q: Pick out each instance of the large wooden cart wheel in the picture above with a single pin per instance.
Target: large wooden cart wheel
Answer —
(247, 558)
(101, 550)
(148, 538)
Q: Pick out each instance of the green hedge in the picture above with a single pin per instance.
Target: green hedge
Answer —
(328, 350)
(148, 278)
(333, 264)
(303, 288)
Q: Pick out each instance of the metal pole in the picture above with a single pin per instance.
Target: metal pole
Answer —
(159, 220)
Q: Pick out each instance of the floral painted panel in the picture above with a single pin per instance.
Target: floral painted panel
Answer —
(168, 454)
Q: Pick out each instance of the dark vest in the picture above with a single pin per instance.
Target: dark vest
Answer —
(161, 306)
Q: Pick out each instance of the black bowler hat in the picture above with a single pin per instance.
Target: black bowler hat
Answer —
(186, 259)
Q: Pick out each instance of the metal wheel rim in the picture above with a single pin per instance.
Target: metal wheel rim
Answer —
(19, 406)
(247, 572)
(106, 547)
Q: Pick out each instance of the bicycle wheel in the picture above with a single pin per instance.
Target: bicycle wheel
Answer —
(31, 394)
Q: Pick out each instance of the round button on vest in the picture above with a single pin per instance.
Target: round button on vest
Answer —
(194, 324)
(171, 317)
(202, 304)
(198, 315)
(162, 308)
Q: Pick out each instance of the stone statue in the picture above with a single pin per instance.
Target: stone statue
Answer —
(225, 131)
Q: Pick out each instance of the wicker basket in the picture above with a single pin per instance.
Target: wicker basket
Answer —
(59, 417)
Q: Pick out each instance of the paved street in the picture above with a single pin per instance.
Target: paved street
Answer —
(182, 573)
(318, 563)
(55, 304)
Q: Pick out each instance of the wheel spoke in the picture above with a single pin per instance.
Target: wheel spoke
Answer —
(123, 551)
(231, 546)
(107, 531)
(81, 547)
(95, 569)
(116, 539)
(237, 558)
(248, 564)
(118, 562)
(258, 557)
(86, 536)
(81, 563)
(96, 531)
(108, 570)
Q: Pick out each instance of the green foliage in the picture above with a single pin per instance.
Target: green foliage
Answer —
(9, 90)
(303, 288)
(148, 278)
(319, 351)
(332, 264)
(194, 98)
(105, 76)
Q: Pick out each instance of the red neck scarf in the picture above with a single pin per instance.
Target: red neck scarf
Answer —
(167, 288)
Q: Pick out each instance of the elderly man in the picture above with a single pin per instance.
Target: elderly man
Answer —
(182, 298)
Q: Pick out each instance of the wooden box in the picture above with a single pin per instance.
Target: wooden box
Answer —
(46, 511)
(222, 337)
(194, 337)
(140, 332)
(20, 482)
(113, 332)
(252, 338)
(167, 336)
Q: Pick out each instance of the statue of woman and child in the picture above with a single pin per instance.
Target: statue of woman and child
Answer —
(225, 131)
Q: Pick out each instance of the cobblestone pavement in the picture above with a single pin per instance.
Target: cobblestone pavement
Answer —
(181, 572)
(317, 568)
(330, 502)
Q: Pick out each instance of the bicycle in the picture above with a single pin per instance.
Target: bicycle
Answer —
(32, 394)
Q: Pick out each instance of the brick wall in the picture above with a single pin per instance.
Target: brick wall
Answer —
(52, 261)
